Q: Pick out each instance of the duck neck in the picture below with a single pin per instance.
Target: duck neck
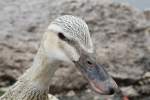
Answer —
(41, 71)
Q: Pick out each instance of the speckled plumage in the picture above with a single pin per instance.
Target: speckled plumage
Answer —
(76, 29)
(24, 90)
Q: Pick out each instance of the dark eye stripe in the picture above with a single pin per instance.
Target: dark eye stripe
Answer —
(69, 41)
(62, 37)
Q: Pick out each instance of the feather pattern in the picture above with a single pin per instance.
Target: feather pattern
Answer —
(22, 91)
(76, 29)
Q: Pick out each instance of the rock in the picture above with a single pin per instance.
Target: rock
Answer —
(146, 75)
(71, 93)
(120, 34)
(147, 14)
(143, 85)
(129, 91)
(3, 90)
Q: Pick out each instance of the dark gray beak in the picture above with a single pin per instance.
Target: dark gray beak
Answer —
(98, 78)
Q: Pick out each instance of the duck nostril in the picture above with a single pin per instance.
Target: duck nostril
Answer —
(89, 62)
(111, 91)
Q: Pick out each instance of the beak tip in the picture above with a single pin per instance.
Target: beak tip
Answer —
(104, 88)
(113, 87)
(111, 91)
(108, 87)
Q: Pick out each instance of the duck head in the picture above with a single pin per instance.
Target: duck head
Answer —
(68, 39)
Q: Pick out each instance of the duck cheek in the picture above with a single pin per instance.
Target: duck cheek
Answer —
(71, 52)
(57, 55)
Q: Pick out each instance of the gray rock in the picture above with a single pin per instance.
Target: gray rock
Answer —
(120, 34)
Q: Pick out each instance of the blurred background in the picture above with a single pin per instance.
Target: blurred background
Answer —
(140, 4)
(120, 30)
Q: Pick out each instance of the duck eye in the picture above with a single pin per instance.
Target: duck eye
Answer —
(61, 36)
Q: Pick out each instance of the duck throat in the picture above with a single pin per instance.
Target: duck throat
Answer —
(42, 70)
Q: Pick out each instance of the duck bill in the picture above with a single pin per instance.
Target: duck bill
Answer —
(98, 78)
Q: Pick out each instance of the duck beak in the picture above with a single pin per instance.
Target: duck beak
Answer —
(98, 78)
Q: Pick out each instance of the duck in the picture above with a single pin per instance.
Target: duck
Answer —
(67, 39)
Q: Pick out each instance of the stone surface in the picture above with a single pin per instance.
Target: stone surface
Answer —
(147, 14)
(120, 34)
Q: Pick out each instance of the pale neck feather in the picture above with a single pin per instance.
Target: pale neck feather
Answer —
(42, 70)
(34, 83)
